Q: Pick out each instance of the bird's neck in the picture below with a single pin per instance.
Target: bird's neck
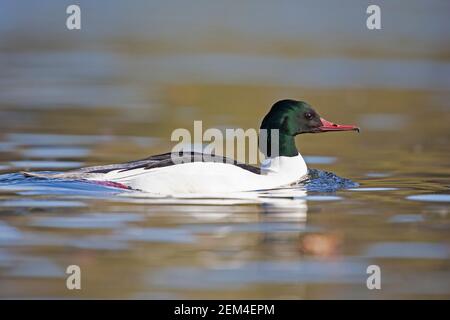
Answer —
(284, 168)
(286, 145)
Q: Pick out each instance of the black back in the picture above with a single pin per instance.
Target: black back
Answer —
(167, 159)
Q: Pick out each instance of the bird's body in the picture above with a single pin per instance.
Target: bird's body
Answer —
(191, 172)
(210, 177)
(201, 175)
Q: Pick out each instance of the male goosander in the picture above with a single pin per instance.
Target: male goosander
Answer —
(206, 174)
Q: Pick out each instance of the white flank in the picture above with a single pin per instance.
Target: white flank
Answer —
(210, 177)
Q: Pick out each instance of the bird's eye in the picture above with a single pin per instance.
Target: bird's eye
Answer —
(308, 115)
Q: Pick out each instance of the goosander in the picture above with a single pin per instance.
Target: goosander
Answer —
(195, 172)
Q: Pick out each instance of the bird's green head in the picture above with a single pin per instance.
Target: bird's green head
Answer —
(293, 117)
(290, 118)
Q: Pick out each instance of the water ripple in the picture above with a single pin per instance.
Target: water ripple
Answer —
(430, 197)
(409, 250)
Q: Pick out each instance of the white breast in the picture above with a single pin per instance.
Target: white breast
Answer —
(211, 177)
